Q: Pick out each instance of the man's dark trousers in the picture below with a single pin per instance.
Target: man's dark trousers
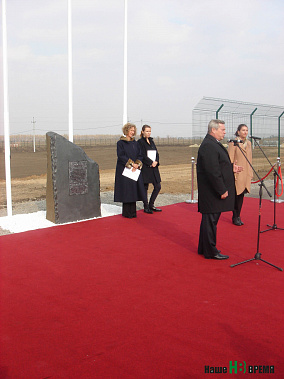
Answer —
(207, 235)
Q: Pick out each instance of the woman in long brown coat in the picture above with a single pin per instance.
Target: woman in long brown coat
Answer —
(242, 179)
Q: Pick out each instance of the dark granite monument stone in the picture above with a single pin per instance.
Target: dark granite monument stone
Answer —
(73, 182)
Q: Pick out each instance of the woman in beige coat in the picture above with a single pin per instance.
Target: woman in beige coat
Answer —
(242, 179)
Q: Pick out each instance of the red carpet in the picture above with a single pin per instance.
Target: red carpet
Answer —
(119, 298)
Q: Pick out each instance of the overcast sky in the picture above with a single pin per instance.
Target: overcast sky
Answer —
(178, 52)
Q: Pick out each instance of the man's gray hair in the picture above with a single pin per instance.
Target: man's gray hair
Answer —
(214, 124)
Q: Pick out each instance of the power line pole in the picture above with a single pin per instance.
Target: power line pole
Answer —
(33, 122)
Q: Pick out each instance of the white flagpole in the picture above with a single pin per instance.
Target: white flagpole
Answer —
(125, 66)
(6, 112)
(70, 77)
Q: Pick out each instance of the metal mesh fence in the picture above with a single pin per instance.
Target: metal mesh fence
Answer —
(28, 142)
(262, 120)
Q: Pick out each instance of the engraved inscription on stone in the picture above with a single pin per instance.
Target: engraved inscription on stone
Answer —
(78, 180)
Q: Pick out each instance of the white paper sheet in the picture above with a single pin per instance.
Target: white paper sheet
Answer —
(130, 174)
(152, 154)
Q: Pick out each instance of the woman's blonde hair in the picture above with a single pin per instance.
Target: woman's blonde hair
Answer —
(128, 126)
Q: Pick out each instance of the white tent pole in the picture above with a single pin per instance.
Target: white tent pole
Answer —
(70, 77)
(125, 66)
(6, 112)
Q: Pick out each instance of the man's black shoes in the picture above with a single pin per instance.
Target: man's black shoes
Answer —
(237, 221)
(151, 209)
(154, 209)
(220, 256)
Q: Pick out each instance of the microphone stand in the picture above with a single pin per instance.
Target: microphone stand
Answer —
(274, 226)
(258, 254)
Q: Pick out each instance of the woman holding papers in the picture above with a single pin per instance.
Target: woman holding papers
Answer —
(150, 171)
(242, 179)
(129, 186)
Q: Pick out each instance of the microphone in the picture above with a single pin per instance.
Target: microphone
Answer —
(235, 140)
(255, 137)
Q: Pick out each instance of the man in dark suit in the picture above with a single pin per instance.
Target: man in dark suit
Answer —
(216, 187)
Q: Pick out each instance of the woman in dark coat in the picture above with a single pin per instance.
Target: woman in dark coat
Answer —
(150, 171)
(126, 190)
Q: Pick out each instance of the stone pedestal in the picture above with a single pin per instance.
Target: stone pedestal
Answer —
(73, 182)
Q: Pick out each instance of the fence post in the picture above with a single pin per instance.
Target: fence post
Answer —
(278, 200)
(279, 134)
(192, 201)
(218, 110)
